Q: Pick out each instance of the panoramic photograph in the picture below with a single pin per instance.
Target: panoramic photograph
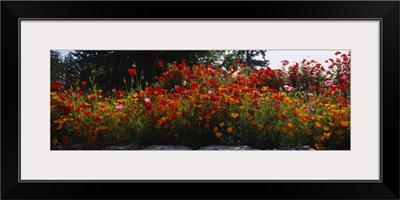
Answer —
(269, 100)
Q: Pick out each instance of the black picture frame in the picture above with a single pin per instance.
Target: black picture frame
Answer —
(386, 11)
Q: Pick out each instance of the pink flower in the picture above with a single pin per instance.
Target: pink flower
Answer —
(310, 94)
(147, 100)
(120, 107)
(210, 92)
(288, 88)
(329, 82)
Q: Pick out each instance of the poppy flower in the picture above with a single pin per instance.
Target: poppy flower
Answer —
(218, 134)
(79, 92)
(93, 140)
(194, 85)
(119, 94)
(84, 83)
(160, 63)
(337, 53)
(56, 85)
(333, 87)
(65, 141)
(230, 129)
(285, 62)
(132, 71)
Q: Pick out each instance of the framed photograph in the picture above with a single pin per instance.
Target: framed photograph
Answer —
(116, 97)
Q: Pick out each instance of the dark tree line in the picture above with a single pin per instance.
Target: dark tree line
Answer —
(111, 66)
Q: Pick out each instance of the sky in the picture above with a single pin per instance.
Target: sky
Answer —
(276, 56)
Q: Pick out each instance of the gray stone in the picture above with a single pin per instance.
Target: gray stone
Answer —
(304, 148)
(225, 148)
(116, 147)
(167, 147)
(122, 147)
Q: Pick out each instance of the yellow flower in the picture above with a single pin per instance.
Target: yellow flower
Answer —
(234, 115)
(318, 124)
(162, 120)
(229, 129)
(318, 146)
(215, 129)
(241, 107)
(218, 134)
(264, 88)
(344, 123)
(327, 135)
(326, 128)
(320, 138)
(221, 124)
(260, 127)
(290, 125)
(100, 128)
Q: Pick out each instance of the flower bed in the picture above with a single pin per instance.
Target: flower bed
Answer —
(200, 105)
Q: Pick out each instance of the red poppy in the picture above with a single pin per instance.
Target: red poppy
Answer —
(93, 140)
(274, 91)
(337, 53)
(160, 63)
(194, 85)
(180, 89)
(79, 92)
(150, 90)
(313, 88)
(285, 62)
(65, 140)
(132, 71)
(237, 61)
(342, 87)
(84, 83)
(173, 116)
(119, 94)
(56, 85)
